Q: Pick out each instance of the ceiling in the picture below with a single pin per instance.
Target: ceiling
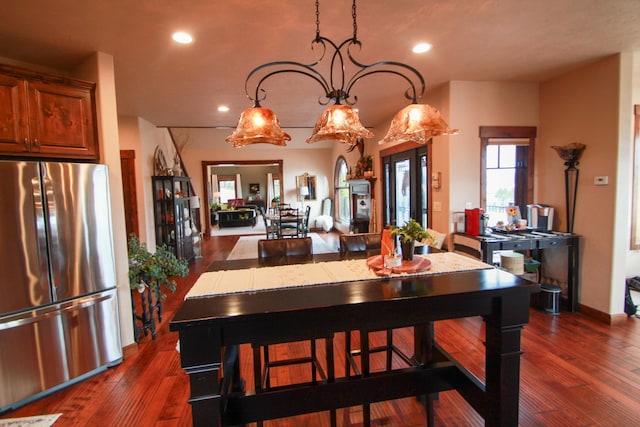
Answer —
(182, 85)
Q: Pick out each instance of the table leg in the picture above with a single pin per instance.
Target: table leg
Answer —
(201, 358)
(503, 361)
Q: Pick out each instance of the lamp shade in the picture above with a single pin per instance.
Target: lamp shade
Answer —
(304, 191)
(258, 125)
(339, 123)
(417, 123)
(195, 202)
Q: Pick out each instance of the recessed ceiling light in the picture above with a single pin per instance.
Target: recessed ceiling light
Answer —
(223, 108)
(182, 37)
(421, 48)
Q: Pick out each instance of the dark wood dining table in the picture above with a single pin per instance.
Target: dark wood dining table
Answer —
(211, 329)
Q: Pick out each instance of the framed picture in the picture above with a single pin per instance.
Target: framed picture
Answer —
(254, 188)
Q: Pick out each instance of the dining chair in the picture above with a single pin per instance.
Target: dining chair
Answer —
(288, 222)
(262, 364)
(360, 243)
(270, 227)
(304, 226)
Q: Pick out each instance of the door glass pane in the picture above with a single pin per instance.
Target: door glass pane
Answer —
(387, 193)
(424, 190)
(403, 191)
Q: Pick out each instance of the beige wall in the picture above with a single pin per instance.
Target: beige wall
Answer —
(585, 106)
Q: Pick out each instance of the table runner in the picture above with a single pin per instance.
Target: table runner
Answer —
(294, 275)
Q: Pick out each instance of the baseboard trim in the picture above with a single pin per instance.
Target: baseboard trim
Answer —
(609, 319)
(130, 350)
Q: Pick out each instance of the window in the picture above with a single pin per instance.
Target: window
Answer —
(507, 169)
(343, 206)
(227, 189)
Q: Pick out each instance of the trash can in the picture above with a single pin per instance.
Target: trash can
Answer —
(550, 298)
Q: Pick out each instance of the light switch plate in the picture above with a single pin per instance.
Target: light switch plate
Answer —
(601, 180)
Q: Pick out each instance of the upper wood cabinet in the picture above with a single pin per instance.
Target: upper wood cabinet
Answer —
(46, 116)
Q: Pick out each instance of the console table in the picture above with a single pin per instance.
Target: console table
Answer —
(211, 329)
(484, 247)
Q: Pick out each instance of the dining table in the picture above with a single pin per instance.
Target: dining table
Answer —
(243, 302)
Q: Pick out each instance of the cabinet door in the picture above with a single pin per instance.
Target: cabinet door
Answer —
(13, 115)
(61, 121)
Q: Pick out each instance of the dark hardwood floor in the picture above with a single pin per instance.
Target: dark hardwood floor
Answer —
(575, 372)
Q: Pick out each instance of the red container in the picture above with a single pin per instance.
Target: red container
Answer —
(473, 221)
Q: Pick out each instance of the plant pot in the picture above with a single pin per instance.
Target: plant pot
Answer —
(407, 250)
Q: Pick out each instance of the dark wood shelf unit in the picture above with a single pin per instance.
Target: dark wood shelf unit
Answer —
(174, 214)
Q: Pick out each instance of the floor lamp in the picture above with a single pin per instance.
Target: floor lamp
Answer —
(571, 155)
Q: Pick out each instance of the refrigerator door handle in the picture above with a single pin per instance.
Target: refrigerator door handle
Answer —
(58, 286)
(41, 233)
(53, 310)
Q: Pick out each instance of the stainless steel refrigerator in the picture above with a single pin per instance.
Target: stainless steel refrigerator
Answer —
(58, 301)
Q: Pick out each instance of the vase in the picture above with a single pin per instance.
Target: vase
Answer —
(407, 250)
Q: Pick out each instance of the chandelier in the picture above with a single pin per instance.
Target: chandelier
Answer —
(340, 121)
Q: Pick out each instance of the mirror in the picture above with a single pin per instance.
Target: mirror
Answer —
(306, 185)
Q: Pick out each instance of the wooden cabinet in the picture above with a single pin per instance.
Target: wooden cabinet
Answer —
(46, 116)
(174, 214)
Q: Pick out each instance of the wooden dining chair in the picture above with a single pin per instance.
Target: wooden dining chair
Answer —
(288, 222)
(262, 363)
(270, 228)
(365, 243)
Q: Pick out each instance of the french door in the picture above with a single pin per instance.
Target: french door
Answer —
(405, 186)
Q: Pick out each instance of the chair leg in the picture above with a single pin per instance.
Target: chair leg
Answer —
(389, 348)
(366, 370)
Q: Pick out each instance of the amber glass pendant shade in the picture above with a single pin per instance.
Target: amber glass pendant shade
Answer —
(417, 123)
(339, 123)
(258, 125)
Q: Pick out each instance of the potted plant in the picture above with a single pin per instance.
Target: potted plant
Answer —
(275, 201)
(155, 271)
(408, 234)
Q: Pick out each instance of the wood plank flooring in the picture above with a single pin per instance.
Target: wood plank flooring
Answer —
(575, 372)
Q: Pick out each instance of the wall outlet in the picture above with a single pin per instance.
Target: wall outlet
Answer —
(601, 180)
(437, 206)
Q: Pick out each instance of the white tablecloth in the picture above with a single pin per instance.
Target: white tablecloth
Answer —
(294, 275)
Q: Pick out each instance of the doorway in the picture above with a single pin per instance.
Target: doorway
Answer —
(406, 193)
(128, 168)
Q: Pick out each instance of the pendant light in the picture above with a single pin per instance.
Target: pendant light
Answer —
(340, 121)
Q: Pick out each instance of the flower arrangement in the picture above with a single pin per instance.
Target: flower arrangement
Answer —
(156, 270)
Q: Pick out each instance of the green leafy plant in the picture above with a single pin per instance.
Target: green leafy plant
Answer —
(156, 270)
(411, 230)
(276, 199)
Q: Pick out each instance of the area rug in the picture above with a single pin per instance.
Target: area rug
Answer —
(247, 230)
(247, 247)
(37, 421)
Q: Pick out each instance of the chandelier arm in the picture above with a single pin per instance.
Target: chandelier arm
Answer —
(411, 93)
(303, 69)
